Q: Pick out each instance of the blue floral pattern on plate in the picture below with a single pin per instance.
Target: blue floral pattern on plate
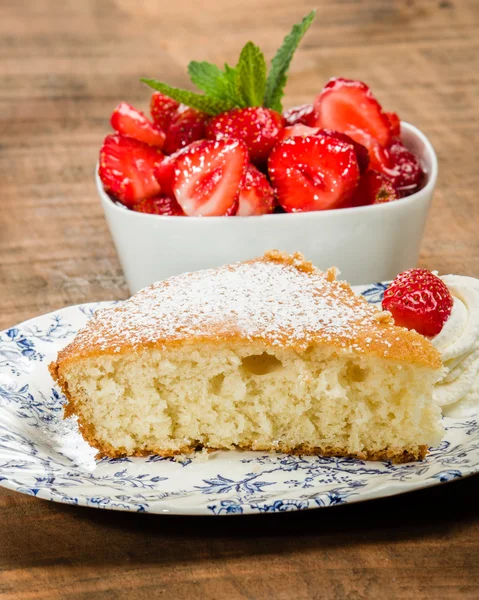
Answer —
(43, 455)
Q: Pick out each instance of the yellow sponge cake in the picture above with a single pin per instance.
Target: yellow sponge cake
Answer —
(270, 354)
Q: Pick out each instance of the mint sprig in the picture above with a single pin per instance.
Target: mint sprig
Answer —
(246, 84)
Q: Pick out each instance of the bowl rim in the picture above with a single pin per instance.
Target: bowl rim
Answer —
(403, 203)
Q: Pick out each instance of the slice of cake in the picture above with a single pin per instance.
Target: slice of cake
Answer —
(269, 355)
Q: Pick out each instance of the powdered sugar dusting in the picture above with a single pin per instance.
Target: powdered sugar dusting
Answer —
(275, 301)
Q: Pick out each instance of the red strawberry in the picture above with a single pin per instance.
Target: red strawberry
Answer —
(162, 109)
(395, 123)
(313, 173)
(379, 159)
(128, 121)
(127, 169)
(165, 170)
(349, 106)
(259, 128)
(418, 299)
(187, 125)
(165, 173)
(362, 155)
(160, 205)
(373, 188)
(256, 196)
(300, 115)
(400, 166)
(208, 175)
(408, 174)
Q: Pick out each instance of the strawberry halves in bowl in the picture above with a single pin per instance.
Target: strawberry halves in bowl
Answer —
(207, 177)
(126, 169)
(313, 173)
(367, 243)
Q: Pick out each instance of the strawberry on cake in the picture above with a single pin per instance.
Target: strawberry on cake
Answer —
(230, 149)
(446, 310)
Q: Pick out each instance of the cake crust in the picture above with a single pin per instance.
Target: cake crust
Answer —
(289, 303)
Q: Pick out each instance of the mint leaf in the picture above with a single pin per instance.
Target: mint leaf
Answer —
(233, 77)
(207, 104)
(275, 100)
(204, 75)
(214, 82)
(280, 63)
(251, 70)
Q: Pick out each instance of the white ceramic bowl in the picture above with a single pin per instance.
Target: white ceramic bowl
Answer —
(367, 243)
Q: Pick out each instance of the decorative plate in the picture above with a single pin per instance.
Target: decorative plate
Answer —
(44, 456)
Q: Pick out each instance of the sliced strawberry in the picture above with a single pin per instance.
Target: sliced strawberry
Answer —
(165, 173)
(233, 209)
(165, 170)
(394, 123)
(127, 169)
(208, 175)
(300, 115)
(187, 125)
(128, 121)
(159, 205)
(362, 155)
(313, 173)
(373, 188)
(162, 109)
(379, 159)
(400, 166)
(418, 299)
(259, 128)
(256, 196)
(349, 106)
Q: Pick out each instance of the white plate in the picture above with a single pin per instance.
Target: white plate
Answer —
(44, 456)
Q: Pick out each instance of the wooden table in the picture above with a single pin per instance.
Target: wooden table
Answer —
(64, 65)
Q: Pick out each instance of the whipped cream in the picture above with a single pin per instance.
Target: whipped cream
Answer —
(458, 342)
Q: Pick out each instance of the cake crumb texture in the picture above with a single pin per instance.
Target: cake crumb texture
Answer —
(242, 396)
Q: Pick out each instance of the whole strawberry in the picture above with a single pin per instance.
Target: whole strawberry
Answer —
(186, 125)
(162, 109)
(259, 128)
(406, 174)
(418, 299)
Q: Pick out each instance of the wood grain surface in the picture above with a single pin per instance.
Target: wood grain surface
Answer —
(64, 64)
